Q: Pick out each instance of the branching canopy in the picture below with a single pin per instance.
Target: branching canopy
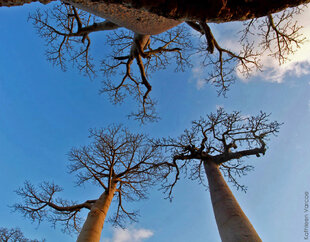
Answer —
(278, 35)
(64, 28)
(66, 31)
(221, 138)
(151, 53)
(14, 235)
(115, 156)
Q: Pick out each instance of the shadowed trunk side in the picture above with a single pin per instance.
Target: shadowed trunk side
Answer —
(93, 225)
(232, 223)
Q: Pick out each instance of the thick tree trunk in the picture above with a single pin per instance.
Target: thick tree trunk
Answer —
(139, 21)
(232, 223)
(93, 225)
(188, 10)
(211, 10)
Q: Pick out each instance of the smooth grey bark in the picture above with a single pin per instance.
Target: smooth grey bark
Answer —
(232, 223)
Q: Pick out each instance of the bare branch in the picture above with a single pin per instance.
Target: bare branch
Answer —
(127, 48)
(212, 139)
(14, 235)
(116, 160)
(65, 29)
(279, 34)
(40, 204)
(226, 61)
(285, 33)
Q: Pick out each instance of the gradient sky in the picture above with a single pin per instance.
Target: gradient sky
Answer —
(44, 112)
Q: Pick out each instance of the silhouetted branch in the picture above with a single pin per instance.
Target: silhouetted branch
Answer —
(148, 59)
(284, 33)
(225, 61)
(14, 235)
(71, 27)
(64, 27)
(279, 33)
(212, 139)
(40, 204)
(116, 156)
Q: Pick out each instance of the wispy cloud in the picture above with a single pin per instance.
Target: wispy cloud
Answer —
(130, 235)
(198, 76)
(298, 64)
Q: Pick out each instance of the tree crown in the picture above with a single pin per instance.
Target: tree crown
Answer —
(115, 157)
(223, 138)
(67, 32)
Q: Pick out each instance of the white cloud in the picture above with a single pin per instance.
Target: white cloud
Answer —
(297, 65)
(197, 75)
(130, 235)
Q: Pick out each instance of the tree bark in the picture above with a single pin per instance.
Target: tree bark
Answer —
(137, 20)
(232, 223)
(93, 225)
(211, 10)
(189, 10)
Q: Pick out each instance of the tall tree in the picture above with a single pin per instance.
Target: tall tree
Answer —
(121, 163)
(64, 28)
(215, 145)
(67, 31)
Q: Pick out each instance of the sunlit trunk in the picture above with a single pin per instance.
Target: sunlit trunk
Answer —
(139, 21)
(93, 225)
(232, 223)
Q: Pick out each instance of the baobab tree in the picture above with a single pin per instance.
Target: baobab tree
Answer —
(121, 163)
(214, 146)
(183, 10)
(152, 42)
(67, 31)
(14, 235)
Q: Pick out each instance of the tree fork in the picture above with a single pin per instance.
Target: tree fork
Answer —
(232, 223)
(93, 225)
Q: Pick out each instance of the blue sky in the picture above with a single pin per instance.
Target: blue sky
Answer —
(44, 112)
